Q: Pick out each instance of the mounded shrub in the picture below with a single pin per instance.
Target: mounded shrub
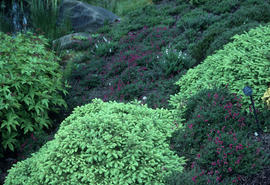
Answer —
(30, 86)
(242, 62)
(104, 143)
(215, 137)
(208, 109)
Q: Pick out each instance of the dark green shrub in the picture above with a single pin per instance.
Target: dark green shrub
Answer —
(209, 109)
(199, 50)
(222, 6)
(216, 124)
(194, 176)
(197, 20)
(232, 154)
(30, 86)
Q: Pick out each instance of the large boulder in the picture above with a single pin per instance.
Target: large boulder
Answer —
(243, 62)
(104, 143)
(84, 17)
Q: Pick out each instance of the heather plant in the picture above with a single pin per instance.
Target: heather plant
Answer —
(195, 176)
(215, 137)
(231, 154)
(129, 73)
(226, 158)
(209, 109)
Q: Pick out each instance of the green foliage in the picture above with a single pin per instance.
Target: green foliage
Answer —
(205, 98)
(194, 176)
(204, 111)
(30, 83)
(125, 6)
(171, 61)
(199, 2)
(104, 143)
(242, 62)
(33, 143)
(106, 49)
(197, 19)
(215, 125)
(238, 156)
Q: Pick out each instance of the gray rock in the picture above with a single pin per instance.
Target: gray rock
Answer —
(84, 17)
(70, 41)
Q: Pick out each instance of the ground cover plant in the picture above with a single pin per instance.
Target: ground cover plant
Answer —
(153, 47)
(215, 139)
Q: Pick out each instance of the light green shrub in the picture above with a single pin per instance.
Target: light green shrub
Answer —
(30, 86)
(242, 62)
(104, 143)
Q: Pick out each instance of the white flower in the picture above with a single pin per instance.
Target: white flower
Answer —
(157, 56)
(96, 45)
(256, 134)
(110, 84)
(110, 50)
(105, 39)
(167, 51)
(144, 98)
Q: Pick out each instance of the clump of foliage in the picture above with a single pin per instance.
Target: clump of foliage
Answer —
(30, 86)
(215, 138)
(227, 66)
(105, 143)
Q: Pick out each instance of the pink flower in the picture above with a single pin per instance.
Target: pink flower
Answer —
(229, 169)
(192, 166)
(190, 126)
(198, 155)
(237, 162)
(194, 178)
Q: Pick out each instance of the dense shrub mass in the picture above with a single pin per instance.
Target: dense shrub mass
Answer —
(133, 61)
(241, 63)
(215, 140)
(104, 143)
(30, 81)
(142, 57)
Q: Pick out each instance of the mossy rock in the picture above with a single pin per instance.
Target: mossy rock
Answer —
(104, 143)
(241, 63)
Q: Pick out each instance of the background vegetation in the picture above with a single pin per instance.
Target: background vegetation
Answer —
(143, 56)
